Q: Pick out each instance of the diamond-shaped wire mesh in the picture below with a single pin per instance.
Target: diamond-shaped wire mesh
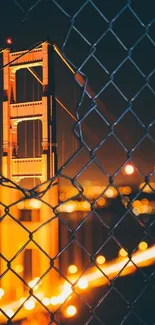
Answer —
(79, 247)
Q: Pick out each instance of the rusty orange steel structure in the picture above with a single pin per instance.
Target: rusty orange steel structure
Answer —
(16, 168)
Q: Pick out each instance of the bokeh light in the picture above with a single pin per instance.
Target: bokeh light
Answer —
(19, 268)
(82, 284)
(71, 311)
(29, 304)
(72, 269)
(9, 40)
(123, 252)
(143, 246)
(129, 169)
(100, 259)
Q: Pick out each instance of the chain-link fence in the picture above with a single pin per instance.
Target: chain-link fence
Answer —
(78, 248)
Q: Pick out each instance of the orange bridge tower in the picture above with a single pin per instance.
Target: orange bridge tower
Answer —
(31, 262)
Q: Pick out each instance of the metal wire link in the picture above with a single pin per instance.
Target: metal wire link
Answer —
(106, 227)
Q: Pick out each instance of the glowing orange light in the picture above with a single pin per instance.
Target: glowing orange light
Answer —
(136, 211)
(109, 192)
(19, 268)
(101, 201)
(144, 209)
(136, 204)
(147, 188)
(29, 304)
(123, 252)
(129, 169)
(86, 205)
(62, 197)
(145, 201)
(143, 258)
(70, 207)
(100, 259)
(34, 204)
(72, 269)
(143, 246)
(126, 190)
(82, 284)
(71, 311)
(9, 40)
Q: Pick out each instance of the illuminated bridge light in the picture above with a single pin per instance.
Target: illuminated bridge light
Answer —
(71, 311)
(29, 304)
(129, 169)
(123, 252)
(70, 207)
(9, 312)
(54, 301)
(82, 284)
(34, 204)
(1, 293)
(72, 269)
(143, 246)
(100, 259)
(33, 284)
(46, 301)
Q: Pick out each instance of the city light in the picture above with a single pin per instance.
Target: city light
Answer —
(54, 301)
(33, 204)
(82, 283)
(129, 169)
(145, 201)
(46, 301)
(101, 201)
(123, 252)
(9, 40)
(9, 312)
(141, 258)
(143, 246)
(72, 269)
(109, 193)
(100, 259)
(71, 311)
(29, 304)
(136, 211)
(126, 190)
